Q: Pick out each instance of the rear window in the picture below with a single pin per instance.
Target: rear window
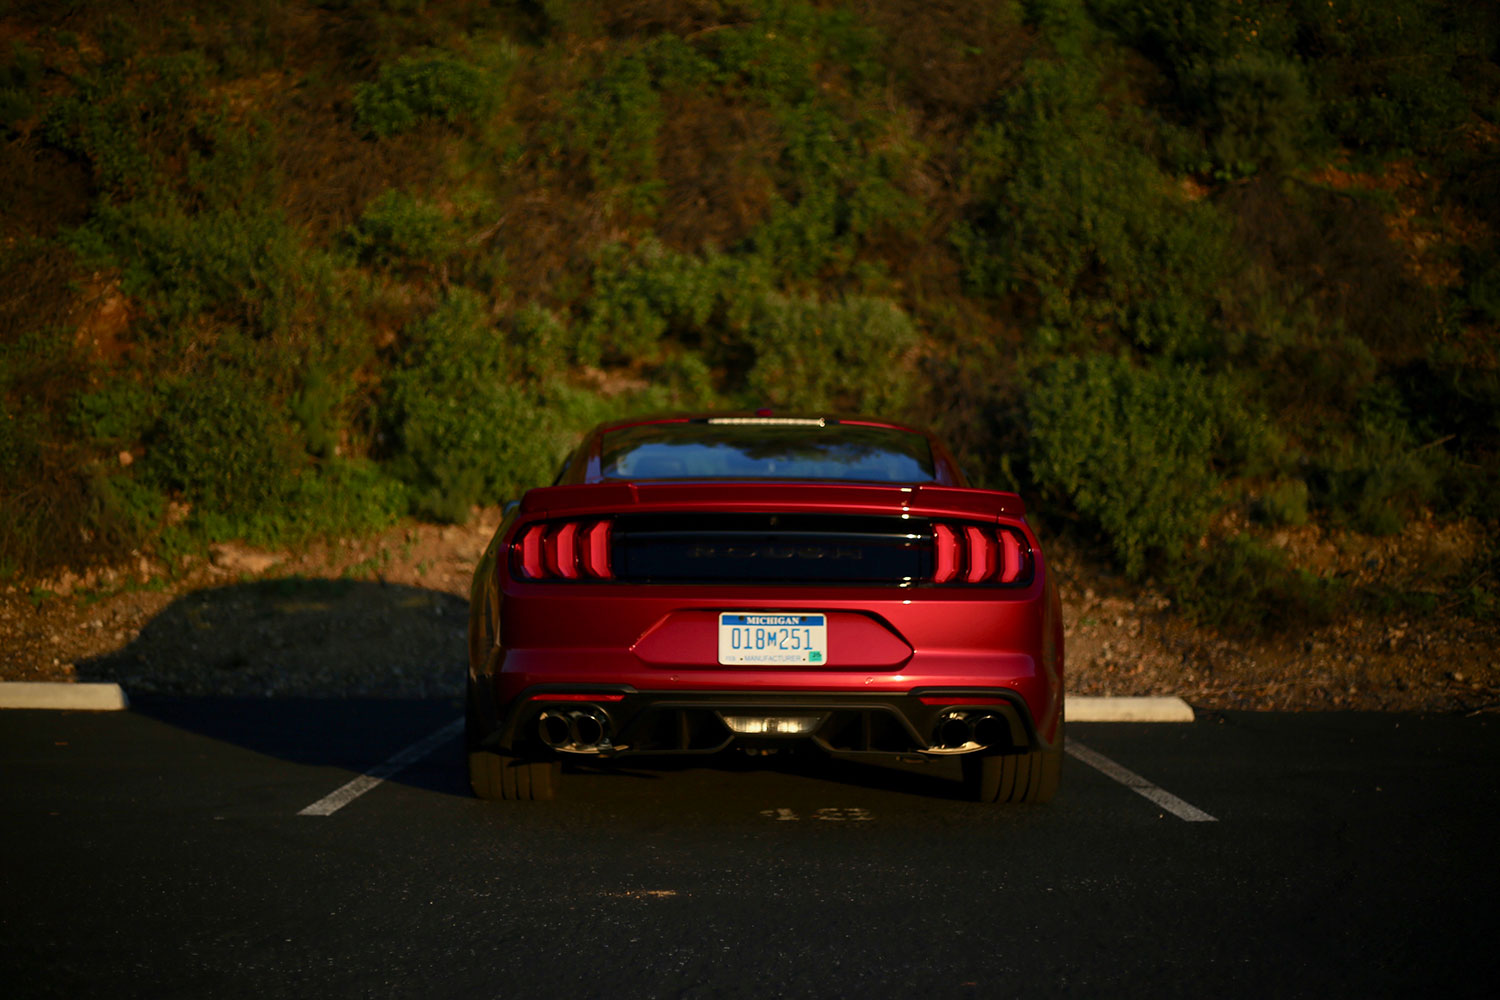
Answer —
(705, 450)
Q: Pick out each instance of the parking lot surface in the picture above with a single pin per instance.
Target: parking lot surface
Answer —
(170, 851)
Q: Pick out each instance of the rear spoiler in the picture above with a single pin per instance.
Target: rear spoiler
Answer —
(864, 498)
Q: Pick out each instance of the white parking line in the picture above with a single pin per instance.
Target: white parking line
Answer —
(1139, 785)
(338, 799)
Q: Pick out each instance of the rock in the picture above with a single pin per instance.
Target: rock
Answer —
(237, 559)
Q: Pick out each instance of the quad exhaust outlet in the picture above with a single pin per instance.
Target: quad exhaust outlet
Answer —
(575, 730)
(960, 731)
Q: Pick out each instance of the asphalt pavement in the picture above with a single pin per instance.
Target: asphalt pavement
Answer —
(169, 851)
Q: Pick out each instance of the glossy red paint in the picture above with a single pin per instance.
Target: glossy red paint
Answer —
(550, 622)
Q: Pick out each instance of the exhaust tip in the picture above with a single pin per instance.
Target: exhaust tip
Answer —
(990, 730)
(574, 730)
(953, 730)
(587, 727)
(553, 729)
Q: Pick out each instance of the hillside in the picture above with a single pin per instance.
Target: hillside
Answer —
(1214, 284)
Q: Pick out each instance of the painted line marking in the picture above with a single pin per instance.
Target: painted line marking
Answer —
(835, 814)
(1171, 803)
(341, 797)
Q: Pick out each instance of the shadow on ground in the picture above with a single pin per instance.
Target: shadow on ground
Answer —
(338, 673)
(345, 674)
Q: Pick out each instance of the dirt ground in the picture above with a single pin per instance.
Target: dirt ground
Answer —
(385, 617)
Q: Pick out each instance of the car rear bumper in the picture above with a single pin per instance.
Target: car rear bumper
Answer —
(897, 659)
(853, 725)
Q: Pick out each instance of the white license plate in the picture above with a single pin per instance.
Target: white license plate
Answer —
(773, 639)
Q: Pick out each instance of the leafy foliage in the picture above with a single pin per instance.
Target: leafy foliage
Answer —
(436, 86)
(1132, 449)
(1190, 270)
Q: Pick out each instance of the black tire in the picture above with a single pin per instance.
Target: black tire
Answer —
(1020, 777)
(500, 778)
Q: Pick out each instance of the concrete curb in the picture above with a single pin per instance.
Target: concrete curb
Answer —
(1082, 708)
(62, 695)
(111, 698)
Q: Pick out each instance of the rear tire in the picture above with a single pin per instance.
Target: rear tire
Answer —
(501, 778)
(1021, 777)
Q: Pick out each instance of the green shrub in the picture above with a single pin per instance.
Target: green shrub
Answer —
(1283, 502)
(338, 498)
(397, 229)
(118, 412)
(853, 355)
(1242, 584)
(612, 124)
(1132, 449)
(1070, 217)
(462, 430)
(1373, 473)
(130, 120)
(126, 507)
(223, 445)
(639, 296)
(249, 270)
(20, 72)
(1256, 111)
(436, 87)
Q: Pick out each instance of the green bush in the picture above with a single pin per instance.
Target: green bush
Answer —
(1242, 584)
(116, 413)
(338, 498)
(1374, 473)
(1132, 449)
(1071, 220)
(639, 296)
(854, 355)
(397, 229)
(1283, 502)
(20, 72)
(437, 87)
(249, 270)
(1256, 112)
(128, 120)
(223, 445)
(462, 430)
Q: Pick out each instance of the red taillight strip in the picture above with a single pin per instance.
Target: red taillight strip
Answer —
(562, 551)
(529, 550)
(966, 553)
(1010, 557)
(960, 700)
(596, 549)
(981, 554)
(946, 549)
(566, 550)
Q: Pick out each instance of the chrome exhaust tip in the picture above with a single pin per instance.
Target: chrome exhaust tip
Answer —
(588, 727)
(953, 730)
(990, 730)
(553, 729)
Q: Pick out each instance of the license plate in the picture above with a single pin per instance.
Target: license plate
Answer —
(773, 639)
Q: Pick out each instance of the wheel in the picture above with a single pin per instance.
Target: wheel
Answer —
(1020, 777)
(502, 778)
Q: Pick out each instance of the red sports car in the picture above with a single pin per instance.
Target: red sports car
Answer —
(696, 584)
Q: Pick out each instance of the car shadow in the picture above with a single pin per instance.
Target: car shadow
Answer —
(346, 674)
(339, 673)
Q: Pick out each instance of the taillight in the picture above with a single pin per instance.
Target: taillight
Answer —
(563, 550)
(968, 553)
